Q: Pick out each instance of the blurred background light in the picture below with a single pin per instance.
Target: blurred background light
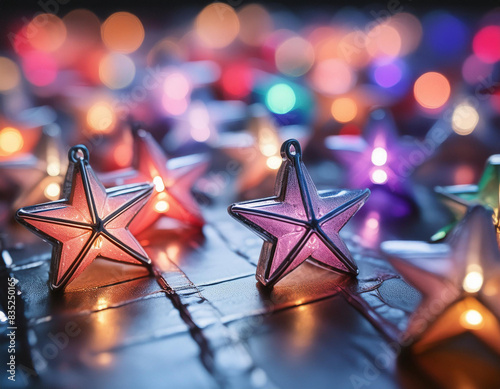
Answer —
(199, 121)
(294, 57)
(174, 107)
(387, 73)
(83, 26)
(464, 119)
(409, 29)
(383, 41)
(333, 76)
(11, 141)
(281, 98)
(39, 68)
(379, 156)
(52, 191)
(344, 109)
(9, 74)
(432, 90)
(101, 117)
(122, 32)
(255, 24)
(445, 35)
(273, 162)
(475, 71)
(217, 25)
(46, 32)
(237, 80)
(176, 86)
(486, 44)
(116, 70)
(379, 176)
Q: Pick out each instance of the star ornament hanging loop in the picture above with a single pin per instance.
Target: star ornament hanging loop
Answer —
(88, 222)
(299, 223)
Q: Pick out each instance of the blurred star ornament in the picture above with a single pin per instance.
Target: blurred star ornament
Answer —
(459, 281)
(378, 158)
(173, 181)
(258, 150)
(459, 197)
(89, 222)
(299, 223)
(38, 175)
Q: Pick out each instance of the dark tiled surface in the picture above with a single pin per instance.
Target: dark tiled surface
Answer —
(202, 321)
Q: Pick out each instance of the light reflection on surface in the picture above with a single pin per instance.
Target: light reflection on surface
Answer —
(303, 330)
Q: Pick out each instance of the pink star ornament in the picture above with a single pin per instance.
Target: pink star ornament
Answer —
(89, 222)
(173, 180)
(299, 223)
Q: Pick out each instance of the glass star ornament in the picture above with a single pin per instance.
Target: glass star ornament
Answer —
(38, 176)
(459, 197)
(89, 222)
(299, 223)
(379, 158)
(459, 281)
(257, 150)
(173, 181)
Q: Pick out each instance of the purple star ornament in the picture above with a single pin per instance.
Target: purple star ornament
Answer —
(299, 223)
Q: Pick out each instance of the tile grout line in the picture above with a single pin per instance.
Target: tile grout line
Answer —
(209, 356)
(206, 354)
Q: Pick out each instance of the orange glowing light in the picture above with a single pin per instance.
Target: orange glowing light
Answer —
(255, 24)
(11, 141)
(101, 117)
(383, 41)
(325, 41)
(432, 90)
(471, 319)
(9, 74)
(217, 25)
(344, 109)
(46, 32)
(122, 32)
